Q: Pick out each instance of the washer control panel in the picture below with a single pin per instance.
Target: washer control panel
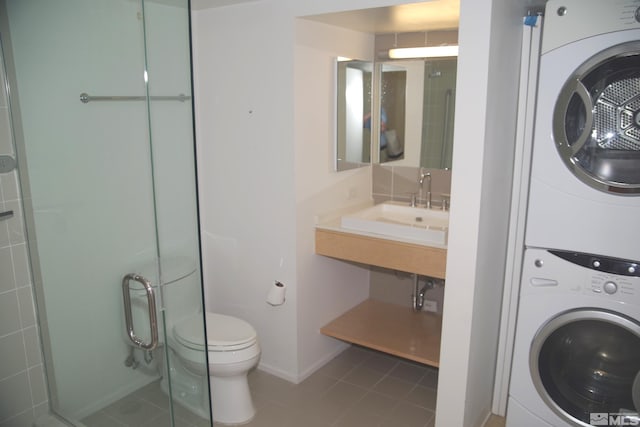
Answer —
(616, 266)
(607, 277)
(568, 276)
(609, 284)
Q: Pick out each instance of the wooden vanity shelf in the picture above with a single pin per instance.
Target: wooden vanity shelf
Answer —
(391, 329)
(382, 326)
(392, 254)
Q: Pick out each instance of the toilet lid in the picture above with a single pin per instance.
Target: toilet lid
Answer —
(224, 333)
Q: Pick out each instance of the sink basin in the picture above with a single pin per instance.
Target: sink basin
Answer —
(426, 226)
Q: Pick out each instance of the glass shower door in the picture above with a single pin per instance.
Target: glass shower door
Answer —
(106, 163)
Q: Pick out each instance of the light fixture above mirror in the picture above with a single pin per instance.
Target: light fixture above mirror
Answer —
(424, 52)
(418, 44)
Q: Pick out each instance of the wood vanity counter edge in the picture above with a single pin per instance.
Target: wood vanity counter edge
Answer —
(392, 254)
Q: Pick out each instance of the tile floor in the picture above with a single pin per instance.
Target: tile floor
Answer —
(360, 387)
(146, 407)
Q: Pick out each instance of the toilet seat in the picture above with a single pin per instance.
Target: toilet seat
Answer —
(224, 333)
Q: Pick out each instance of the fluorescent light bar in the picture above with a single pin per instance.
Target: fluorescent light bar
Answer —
(423, 52)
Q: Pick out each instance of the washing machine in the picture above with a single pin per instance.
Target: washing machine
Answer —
(577, 344)
(585, 172)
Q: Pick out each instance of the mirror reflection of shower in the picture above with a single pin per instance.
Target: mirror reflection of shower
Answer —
(439, 109)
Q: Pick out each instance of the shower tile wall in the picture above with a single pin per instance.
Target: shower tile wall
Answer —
(23, 392)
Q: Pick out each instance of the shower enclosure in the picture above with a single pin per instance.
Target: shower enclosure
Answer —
(101, 126)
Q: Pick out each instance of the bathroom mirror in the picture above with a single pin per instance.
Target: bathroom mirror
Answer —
(392, 98)
(417, 101)
(353, 114)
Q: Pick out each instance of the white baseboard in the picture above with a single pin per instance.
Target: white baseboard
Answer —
(321, 362)
(287, 376)
(297, 379)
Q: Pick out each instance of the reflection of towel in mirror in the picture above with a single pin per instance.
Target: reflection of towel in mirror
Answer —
(394, 146)
(383, 126)
(383, 140)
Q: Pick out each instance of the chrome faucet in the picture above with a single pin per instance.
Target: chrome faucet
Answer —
(427, 176)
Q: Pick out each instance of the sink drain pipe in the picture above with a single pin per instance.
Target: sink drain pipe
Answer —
(418, 294)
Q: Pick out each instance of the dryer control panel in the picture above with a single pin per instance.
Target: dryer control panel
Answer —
(567, 21)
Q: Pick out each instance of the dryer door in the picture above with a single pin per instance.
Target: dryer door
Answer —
(584, 364)
(596, 121)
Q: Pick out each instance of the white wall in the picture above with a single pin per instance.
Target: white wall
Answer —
(265, 120)
(326, 287)
(483, 149)
(244, 109)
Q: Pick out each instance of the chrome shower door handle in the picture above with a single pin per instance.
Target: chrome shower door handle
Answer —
(153, 318)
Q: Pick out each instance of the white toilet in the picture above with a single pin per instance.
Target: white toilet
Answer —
(232, 350)
(232, 347)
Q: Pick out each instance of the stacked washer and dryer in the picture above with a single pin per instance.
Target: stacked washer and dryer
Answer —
(576, 358)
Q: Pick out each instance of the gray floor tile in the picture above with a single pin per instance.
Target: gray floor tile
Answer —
(393, 387)
(355, 418)
(407, 415)
(101, 419)
(363, 376)
(337, 368)
(409, 372)
(422, 396)
(381, 362)
(360, 387)
(430, 378)
(376, 403)
(134, 412)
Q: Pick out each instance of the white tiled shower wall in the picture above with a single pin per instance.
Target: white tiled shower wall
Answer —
(23, 392)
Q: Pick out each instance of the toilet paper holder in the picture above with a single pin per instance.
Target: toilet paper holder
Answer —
(276, 294)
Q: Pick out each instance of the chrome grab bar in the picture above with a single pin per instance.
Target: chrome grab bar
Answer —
(445, 131)
(153, 318)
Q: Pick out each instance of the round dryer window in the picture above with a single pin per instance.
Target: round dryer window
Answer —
(596, 121)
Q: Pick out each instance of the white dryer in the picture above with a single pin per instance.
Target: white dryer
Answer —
(577, 345)
(585, 176)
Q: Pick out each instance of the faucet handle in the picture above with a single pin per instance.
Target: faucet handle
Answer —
(446, 201)
(414, 200)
